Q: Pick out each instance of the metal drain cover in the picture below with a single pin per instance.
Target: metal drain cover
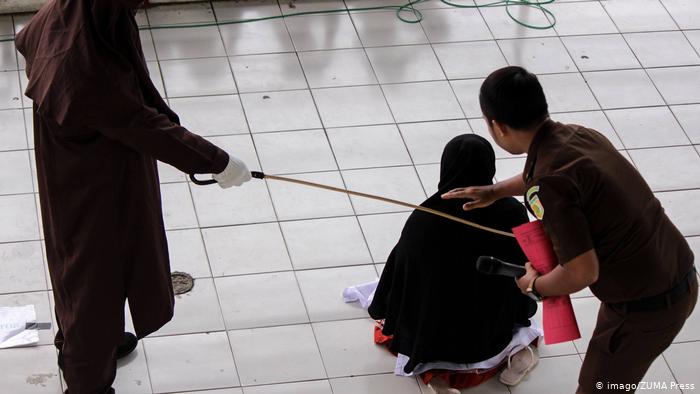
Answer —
(182, 282)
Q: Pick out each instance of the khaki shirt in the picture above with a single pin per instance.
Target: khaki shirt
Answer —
(589, 196)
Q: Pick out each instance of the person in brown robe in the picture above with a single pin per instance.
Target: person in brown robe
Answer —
(99, 126)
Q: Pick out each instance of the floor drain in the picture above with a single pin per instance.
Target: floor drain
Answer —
(182, 282)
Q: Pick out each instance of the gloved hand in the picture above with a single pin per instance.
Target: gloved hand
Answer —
(236, 173)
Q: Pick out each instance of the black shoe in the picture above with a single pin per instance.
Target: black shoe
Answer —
(128, 344)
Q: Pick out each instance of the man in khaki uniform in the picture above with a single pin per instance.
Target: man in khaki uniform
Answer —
(608, 230)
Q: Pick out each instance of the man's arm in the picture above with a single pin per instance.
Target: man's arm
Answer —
(568, 278)
(483, 196)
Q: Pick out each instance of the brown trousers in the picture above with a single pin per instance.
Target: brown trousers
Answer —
(624, 345)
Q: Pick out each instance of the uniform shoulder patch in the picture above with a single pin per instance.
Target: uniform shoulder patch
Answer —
(533, 200)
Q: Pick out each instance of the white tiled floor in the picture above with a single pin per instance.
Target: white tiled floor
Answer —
(364, 101)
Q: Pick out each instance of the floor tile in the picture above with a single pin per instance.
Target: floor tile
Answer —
(344, 67)
(29, 124)
(400, 183)
(686, 13)
(348, 349)
(201, 302)
(132, 374)
(18, 218)
(311, 5)
(601, 52)
(669, 168)
(10, 95)
(429, 175)
(660, 372)
(197, 77)
(507, 168)
(352, 106)
(694, 38)
(454, 24)
(22, 267)
(586, 310)
(502, 25)
(370, 146)
(30, 370)
(622, 89)
(581, 18)
(277, 111)
(214, 115)
(689, 118)
(312, 387)
(236, 390)
(240, 146)
(282, 153)
(595, 120)
(190, 362)
(422, 101)
(322, 243)
(323, 32)
(553, 375)
(641, 15)
(246, 249)
(181, 13)
(382, 233)
(682, 360)
(294, 202)
(384, 28)
(678, 85)
(249, 203)
(251, 301)
(662, 49)
(426, 140)
(484, 57)
(12, 132)
(467, 92)
(538, 55)
(188, 43)
(322, 290)
(691, 330)
(156, 77)
(567, 93)
(149, 49)
(260, 73)
(267, 36)
(267, 355)
(682, 210)
(167, 173)
(178, 210)
(15, 173)
(375, 384)
(42, 308)
(639, 127)
(8, 56)
(405, 64)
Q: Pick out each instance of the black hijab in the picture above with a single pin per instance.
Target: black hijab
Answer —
(434, 302)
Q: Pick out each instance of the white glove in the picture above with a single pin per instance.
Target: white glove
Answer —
(236, 173)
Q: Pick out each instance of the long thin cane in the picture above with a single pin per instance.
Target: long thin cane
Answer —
(260, 175)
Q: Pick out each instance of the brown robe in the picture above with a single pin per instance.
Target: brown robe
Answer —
(100, 125)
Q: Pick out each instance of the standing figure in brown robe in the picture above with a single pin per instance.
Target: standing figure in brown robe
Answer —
(99, 127)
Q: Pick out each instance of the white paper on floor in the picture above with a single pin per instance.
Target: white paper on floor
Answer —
(18, 326)
(362, 293)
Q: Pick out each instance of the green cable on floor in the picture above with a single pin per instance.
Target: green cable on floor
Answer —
(401, 11)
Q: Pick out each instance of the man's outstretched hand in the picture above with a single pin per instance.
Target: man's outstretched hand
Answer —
(236, 173)
(480, 196)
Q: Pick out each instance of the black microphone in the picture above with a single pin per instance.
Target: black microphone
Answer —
(493, 266)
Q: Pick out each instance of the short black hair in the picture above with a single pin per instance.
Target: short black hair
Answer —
(513, 96)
